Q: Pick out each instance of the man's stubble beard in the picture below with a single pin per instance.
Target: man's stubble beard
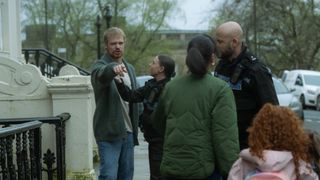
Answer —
(115, 55)
(227, 54)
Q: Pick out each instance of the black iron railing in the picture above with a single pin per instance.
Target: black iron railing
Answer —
(49, 63)
(28, 155)
(26, 133)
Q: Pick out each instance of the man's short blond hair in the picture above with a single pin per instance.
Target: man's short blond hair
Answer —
(113, 31)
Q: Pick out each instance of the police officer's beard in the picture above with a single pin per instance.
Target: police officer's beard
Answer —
(227, 54)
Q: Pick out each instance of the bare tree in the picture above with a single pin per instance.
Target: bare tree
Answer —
(75, 30)
(287, 31)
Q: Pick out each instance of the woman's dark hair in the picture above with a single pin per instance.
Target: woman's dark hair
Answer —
(168, 64)
(214, 42)
(200, 50)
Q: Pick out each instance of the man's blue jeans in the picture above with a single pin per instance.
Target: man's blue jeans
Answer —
(116, 159)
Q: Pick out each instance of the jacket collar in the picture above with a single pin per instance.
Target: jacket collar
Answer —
(273, 160)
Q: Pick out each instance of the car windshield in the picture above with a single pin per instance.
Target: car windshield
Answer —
(312, 80)
(280, 87)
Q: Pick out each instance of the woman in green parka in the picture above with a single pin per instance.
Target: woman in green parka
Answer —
(197, 116)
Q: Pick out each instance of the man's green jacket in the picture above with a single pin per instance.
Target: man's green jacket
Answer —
(108, 120)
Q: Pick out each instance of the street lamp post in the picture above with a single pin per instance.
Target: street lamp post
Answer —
(46, 36)
(98, 25)
(255, 27)
(108, 15)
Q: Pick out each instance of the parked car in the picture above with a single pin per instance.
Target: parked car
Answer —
(303, 84)
(286, 98)
(318, 99)
(142, 79)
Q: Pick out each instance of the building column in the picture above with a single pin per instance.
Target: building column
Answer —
(10, 41)
(74, 94)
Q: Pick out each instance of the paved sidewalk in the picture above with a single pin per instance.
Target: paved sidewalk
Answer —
(141, 162)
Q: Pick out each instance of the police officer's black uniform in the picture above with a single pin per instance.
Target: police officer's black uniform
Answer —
(252, 86)
(148, 94)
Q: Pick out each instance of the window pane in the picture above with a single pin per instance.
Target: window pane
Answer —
(312, 80)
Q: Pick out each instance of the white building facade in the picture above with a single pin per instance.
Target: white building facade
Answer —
(25, 92)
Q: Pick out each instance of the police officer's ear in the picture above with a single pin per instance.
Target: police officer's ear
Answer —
(235, 41)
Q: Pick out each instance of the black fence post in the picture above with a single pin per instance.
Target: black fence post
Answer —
(98, 25)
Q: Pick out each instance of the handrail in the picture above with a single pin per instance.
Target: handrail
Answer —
(50, 120)
(52, 64)
(20, 151)
(8, 131)
(48, 158)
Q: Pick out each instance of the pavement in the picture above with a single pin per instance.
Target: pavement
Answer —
(141, 162)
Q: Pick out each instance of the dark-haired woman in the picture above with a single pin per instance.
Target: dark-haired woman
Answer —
(162, 68)
(197, 115)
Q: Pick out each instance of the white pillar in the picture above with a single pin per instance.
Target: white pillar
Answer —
(10, 46)
(74, 94)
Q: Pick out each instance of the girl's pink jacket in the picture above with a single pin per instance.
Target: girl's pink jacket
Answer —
(275, 161)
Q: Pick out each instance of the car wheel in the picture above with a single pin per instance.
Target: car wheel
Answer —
(302, 101)
(318, 104)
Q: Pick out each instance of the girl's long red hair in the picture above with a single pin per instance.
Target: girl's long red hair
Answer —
(279, 128)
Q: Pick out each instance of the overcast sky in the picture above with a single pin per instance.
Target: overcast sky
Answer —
(196, 14)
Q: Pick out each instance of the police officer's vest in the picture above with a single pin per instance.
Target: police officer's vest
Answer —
(240, 80)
